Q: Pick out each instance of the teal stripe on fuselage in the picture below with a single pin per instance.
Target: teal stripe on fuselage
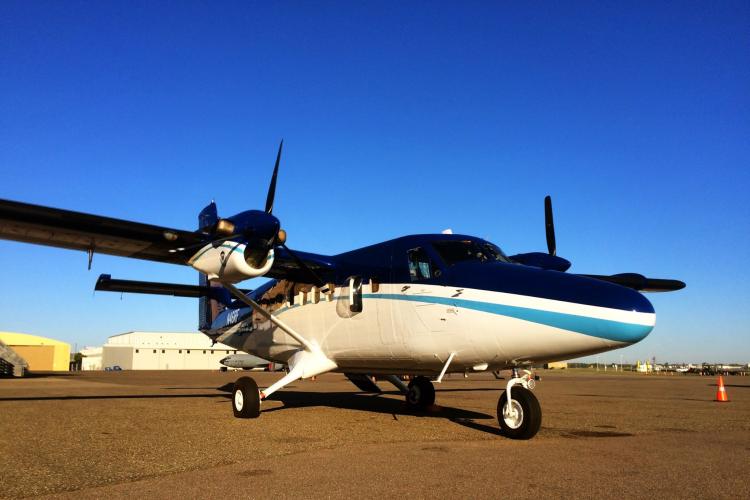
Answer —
(595, 327)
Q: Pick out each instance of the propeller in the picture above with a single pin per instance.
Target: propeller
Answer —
(254, 226)
(228, 228)
(549, 225)
(631, 280)
(272, 186)
(262, 227)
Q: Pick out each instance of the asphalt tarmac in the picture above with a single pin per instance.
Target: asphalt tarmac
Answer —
(172, 434)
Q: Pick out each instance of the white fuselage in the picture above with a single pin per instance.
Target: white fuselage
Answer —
(413, 328)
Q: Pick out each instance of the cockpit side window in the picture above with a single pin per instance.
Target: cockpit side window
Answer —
(454, 251)
(420, 265)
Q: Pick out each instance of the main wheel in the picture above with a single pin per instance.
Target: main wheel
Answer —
(246, 398)
(421, 393)
(525, 421)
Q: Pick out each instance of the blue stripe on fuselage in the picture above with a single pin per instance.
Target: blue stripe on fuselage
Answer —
(594, 327)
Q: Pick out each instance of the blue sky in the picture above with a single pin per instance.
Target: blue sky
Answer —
(398, 118)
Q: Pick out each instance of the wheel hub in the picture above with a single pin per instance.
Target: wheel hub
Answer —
(239, 400)
(414, 395)
(513, 416)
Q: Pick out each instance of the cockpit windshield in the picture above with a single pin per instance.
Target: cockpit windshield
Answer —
(453, 251)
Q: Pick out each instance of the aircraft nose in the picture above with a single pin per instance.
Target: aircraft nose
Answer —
(632, 316)
(645, 311)
(623, 315)
(639, 302)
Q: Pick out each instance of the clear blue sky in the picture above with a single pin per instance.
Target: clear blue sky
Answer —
(398, 118)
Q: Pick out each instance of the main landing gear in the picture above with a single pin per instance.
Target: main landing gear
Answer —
(522, 418)
(420, 394)
(518, 410)
(246, 398)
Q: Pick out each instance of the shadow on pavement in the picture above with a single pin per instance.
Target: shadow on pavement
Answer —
(41, 375)
(117, 396)
(477, 426)
(366, 402)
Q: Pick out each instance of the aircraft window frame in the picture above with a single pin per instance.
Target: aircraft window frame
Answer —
(417, 270)
(481, 251)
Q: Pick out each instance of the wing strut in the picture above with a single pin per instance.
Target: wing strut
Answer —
(304, 363)
(445, 367)
(270, 317)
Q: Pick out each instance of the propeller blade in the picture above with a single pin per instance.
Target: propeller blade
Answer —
(315, 278)
(549, 225)
(272, 187)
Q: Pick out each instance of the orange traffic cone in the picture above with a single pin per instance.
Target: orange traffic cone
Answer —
(721, 392)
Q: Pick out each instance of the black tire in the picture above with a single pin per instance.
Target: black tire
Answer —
(246, 398)
(530, 414)
(421, 393)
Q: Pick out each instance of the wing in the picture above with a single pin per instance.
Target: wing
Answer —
(80, 231)
(640, 282)
(302, 266)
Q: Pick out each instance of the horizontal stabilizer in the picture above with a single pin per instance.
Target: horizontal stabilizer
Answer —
(105, 283)
(640, 282)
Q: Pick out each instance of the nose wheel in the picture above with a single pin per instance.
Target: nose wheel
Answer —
(421, 393)
(522, 417)
(246, 398)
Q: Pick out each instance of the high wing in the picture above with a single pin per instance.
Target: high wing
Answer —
(639, 282)
(550, 260)
(302, 266)
(80, 231)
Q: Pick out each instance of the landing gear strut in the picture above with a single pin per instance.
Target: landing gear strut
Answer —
(421, 394)
(246, 398)
(522, 417)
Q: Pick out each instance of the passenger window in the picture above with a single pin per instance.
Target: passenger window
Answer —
(420, 265)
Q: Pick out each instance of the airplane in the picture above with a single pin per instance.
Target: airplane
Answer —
(421, 305)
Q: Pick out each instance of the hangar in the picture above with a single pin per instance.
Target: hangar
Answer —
(163, 351)
(39, 353)
(91, 358)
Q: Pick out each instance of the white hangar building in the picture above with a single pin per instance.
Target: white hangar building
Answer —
(163, 351)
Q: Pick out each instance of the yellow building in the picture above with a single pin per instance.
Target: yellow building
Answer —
(41, 354)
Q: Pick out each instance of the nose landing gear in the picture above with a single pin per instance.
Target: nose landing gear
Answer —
(518, 410)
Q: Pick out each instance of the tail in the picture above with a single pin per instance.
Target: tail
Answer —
(208, 308)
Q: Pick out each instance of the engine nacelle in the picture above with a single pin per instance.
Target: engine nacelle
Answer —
(232, 262)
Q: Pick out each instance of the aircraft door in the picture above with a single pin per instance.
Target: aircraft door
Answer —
(389, 333)
(425, 290)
